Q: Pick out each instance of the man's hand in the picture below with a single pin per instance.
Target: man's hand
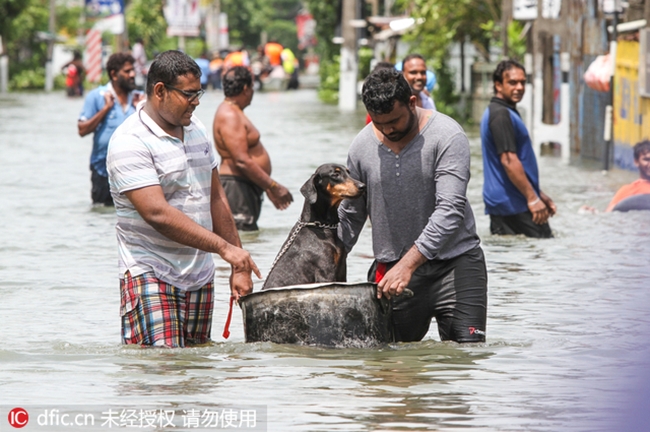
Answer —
(395, 281)
(241, 284)
(397, 278)
(242, 264)
(279, 196)
(538, 208)
(109, 98)
(550, 205)
(240, 260)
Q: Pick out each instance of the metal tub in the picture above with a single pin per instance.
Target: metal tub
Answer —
(325, 314)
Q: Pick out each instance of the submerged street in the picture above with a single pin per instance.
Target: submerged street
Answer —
(567, 317)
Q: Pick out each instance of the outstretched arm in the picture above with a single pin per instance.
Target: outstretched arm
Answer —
(151, 204)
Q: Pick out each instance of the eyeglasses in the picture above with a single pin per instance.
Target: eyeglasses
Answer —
(190, 96)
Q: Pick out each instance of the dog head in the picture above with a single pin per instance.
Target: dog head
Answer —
(333, 181)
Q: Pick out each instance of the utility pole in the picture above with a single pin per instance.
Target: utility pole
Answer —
(506, 16)
(49, 73)
(4, 69)
(609, 110)
(349, 64)
(374, 7)
(123, 38)
(212, 26)
(388, 6)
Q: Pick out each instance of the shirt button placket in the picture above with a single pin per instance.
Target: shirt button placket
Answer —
(397, 170)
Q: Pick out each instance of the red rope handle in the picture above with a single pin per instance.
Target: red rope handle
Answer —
(226, 328)
(380, 272)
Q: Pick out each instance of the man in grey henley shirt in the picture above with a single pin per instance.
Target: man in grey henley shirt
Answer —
(415, 164)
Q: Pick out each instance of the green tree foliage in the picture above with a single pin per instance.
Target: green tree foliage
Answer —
(284, 31)
(20, 22)
(516, 41)
(282, 25)
(23, 47)
(325, 13)
(9, 10)
(330, 73)
(69, 24)
(247, 19)
(447, 22)
(144, 19)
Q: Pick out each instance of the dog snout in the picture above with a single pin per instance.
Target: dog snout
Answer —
(354, 188)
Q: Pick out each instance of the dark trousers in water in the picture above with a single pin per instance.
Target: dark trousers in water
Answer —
(245, 200)
(100, 192)
(521, 223)
(453, 291)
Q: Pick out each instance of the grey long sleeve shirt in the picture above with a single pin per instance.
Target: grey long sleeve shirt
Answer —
(415, 197)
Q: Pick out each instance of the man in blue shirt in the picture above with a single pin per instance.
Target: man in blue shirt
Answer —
(204, 65)
(105, 108)
(511, 191)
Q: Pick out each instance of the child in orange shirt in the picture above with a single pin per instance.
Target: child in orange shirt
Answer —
(640, 186)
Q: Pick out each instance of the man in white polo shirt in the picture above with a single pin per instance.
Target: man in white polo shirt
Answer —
(172, 213)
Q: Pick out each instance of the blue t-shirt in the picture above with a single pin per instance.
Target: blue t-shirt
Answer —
(92, 105)
(204, 65)
(502, 130)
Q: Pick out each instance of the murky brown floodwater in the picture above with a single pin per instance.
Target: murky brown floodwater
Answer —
(567, 318)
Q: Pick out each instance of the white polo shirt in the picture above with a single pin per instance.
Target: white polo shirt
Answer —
(141, 154)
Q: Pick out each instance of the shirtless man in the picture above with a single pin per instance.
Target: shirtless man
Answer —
(245, 169)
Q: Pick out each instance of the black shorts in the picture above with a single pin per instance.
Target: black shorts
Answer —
(245, 200)
(520, 223)
(100, 192)
(453, 291)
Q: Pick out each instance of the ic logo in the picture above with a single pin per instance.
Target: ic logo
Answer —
(18, 417)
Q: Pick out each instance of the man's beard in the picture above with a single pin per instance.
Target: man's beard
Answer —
(398, 136)
(126, 84)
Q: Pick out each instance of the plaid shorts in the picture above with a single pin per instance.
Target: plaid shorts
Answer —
(158, 314)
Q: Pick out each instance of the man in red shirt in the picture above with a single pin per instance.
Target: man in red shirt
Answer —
(638, 187)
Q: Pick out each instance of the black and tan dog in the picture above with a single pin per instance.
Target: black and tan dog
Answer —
(313, 252)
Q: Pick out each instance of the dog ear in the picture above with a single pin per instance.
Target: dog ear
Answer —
(308, 190)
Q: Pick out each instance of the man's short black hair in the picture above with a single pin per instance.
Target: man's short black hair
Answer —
(168, 66)
(117, 61)
(382, 88)
(235, 79)
(411, 57)
(502, 67)
(383, 65)
(641, 148)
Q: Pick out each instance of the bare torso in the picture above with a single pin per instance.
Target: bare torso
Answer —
(227, 145)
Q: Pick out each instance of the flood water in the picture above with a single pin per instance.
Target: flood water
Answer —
(567, 339)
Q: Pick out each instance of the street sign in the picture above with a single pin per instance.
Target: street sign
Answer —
(183, 17)
(526, 10)
(104, 8)
(611, 6)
